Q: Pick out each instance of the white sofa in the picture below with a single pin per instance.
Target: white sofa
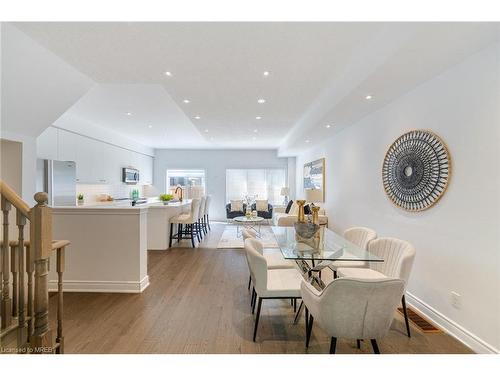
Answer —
(282, 219)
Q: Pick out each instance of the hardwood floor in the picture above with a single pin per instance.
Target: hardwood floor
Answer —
(198, 302)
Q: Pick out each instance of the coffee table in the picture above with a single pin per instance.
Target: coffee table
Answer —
(250, 223)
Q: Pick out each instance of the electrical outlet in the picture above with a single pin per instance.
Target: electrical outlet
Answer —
(456, 300)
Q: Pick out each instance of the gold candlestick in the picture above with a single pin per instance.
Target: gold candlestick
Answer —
(300, 216)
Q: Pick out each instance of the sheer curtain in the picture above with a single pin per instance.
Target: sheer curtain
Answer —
(262, 183)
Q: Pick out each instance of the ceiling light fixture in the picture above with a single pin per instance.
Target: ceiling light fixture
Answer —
(206, 130)
(168, 74)
(307, 141)
(261, 101)
(129, 113)
(328, 126)
(186, 101)
(150, 126)
(258, 117)
(368, 97)
(266, 73)
(256, 130)
(197, 117)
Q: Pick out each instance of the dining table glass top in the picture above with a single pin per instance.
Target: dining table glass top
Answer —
(326, 245)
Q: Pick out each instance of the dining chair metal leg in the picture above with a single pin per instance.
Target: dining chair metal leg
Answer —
(333, 345)
(192, 234)
(253, 301)
(298, 312)
(295, 305)
(407, 323)
(249, 281)
(358, 343)
(208, 223)
(375, 346)
(306, 323)
(309, 330)
(171, 234)
(334, 274)
(257, 319)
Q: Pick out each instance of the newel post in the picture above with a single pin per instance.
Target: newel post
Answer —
(41, 241)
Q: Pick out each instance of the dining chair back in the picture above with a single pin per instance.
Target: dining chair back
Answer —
(257, 264)
(245, 233)
(398, 256)
(360, 236)
(354, 308)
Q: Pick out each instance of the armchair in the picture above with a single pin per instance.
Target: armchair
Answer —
(232, 214)
(265, 214)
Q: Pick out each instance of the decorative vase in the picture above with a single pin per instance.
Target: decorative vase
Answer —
(80, 202)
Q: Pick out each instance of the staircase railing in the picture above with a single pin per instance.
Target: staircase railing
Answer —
(24, 269)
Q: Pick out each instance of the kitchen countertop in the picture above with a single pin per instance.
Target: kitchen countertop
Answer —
(123, 205)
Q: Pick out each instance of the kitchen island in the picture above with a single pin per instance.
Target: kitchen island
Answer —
(109, 243)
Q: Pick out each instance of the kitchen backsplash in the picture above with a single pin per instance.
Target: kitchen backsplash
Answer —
(91, 193)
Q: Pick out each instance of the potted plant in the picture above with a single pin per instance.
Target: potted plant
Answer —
(80, 198)
(165, 198)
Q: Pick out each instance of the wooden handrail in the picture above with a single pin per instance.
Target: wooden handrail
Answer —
(56, 244)
(14, 199)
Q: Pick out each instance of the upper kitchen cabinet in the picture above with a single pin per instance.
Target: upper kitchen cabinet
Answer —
(96, 162)
(66, 145)
(46, 144)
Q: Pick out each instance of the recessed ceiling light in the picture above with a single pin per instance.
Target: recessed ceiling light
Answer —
(266, 73)
(368, 97)
(197, 117)
(186, 101)
(256, 130)
(206, 130)
(150, 126)
(168, 74)
(307, 141)
(328, 126)
(254, 138)
(129, 113)
(258, 117)
(261, 101)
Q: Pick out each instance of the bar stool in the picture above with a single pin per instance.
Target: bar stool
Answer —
(205, 219)
(186, 224)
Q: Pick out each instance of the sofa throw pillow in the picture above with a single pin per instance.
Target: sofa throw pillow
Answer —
(262, 205)
(294, 210)
(289, 206)
(236, 205)
(307, 210)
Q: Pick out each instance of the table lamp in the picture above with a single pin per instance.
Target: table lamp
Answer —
(285, 192)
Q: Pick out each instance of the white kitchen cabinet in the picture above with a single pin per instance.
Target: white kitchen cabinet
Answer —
(46, 144)
(66, 145)
(96, 162)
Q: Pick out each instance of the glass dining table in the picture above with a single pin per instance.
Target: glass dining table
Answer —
(315, 254)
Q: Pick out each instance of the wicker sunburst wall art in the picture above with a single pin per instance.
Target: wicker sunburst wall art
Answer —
(416, 170)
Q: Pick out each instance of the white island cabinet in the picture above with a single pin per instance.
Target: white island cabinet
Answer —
(109, 244)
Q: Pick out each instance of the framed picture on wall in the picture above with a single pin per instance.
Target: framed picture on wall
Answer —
(314, 176)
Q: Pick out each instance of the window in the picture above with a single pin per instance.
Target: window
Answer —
(192, 182)
(257, 183)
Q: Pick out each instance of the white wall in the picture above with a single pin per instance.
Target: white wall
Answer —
(215, 163)
(457, 240)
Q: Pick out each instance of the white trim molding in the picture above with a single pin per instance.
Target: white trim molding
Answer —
(101, 286)
(450, 327)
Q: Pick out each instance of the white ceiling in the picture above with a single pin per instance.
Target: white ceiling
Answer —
(319, 73)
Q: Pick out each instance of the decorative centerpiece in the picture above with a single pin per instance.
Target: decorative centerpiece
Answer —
(305, 230)
(165, 198)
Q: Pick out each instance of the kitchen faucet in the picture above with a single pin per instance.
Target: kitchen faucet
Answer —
(175, 192)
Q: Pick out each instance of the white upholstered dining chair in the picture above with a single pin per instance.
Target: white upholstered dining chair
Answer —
(361, 237)
(352, 308)
(282, 283)
(398, 256)
(205, 219)
(186, 224)
(199, 225)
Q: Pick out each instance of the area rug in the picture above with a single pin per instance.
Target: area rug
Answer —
(229, 239)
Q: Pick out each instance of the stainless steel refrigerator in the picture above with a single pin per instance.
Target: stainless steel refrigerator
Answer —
(58, 179)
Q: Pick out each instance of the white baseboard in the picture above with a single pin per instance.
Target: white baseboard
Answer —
(450, 327)
(101, 286)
